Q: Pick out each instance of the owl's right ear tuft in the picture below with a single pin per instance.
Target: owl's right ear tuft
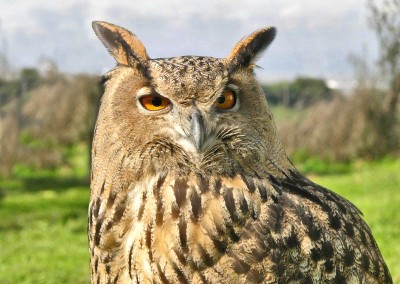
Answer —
(123, 45)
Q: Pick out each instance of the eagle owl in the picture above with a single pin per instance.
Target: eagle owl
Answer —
(191, 185)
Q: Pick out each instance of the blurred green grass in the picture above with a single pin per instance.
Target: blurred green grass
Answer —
(43, 220)
(43, 236)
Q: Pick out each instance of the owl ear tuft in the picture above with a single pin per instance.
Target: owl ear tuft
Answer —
(247, 50)
(123, 45)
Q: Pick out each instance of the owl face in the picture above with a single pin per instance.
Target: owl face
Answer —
(187, 113)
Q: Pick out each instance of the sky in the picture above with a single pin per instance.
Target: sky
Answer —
(314, 38)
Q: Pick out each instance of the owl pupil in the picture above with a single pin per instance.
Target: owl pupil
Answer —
(156, 101)
(221, 99)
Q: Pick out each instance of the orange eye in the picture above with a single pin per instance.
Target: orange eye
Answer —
(227, 100)
(154, 102)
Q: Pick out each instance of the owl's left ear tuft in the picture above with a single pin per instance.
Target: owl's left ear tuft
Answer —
(123, 45)
(247, 50)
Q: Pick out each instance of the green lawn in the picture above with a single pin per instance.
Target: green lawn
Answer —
(43, 221)
(43, 232)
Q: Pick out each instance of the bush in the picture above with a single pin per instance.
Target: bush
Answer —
(344, 128)
(42, 122)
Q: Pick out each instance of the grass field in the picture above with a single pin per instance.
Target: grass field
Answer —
(43, 221)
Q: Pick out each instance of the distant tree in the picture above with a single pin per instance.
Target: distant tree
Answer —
(8, 89)
(4, 62)
(277, 93)
(384, 19)
(30, 78)
(310, 90)
(4, 66)
(302, 92)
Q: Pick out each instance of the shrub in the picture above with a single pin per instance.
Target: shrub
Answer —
(344, 128)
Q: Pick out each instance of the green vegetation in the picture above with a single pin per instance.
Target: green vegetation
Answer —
(285, 114)
(43, 219)
(43, 223)
(43, 234)
(301, 92)
(312, 165)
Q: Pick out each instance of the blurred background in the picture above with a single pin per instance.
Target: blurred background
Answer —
(331, 77)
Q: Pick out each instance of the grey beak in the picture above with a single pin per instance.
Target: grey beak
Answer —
(197, 129)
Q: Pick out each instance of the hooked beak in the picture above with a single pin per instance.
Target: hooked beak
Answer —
(197, 130)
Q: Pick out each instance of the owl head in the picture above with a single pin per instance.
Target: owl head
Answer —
(190, 113)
